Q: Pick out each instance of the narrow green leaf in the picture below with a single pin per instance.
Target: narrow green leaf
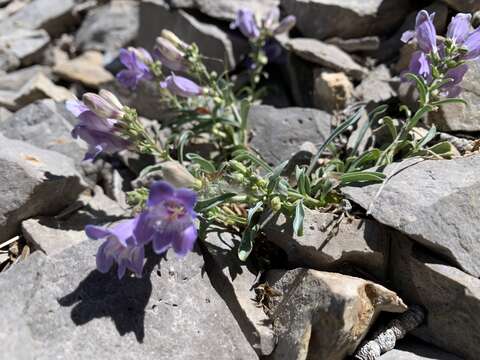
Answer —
(253, 210)
(412, 122)
(245, 155)
(429, 136)
(388, 121)
(449, 101)
(205, 165)
(207, 204)
(361, 176)
(366, 160)
(182, 140)
(298, 220)
(246, 244)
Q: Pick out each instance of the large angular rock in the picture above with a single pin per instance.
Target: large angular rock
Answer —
(278, 133)
(22, 87)
(324, 315)
(376, 87)
(235, 282)
(42, 125)
(220, 44)
(109, 28)
(450, 296)
(226, 9)
(326, 55)
(459, 117)
(54, 16)
(433, 202)
(326, 245)
(59, 306)
(25, 45)
(410, 349)
(34, 182)
(347, 19)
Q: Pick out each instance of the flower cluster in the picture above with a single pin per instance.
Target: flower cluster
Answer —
(248, 25)
(167, 221)
(442, 61)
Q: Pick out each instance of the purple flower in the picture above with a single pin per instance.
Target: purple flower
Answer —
(245, 21)
(424, 32)
(169, 55)
(124, 245)
(420, 65)
(459, 28)
(171, 214)
(456, 75)
(99, 133)
(102, 105)
(472, 44)
(181, 86)
(285, 25)
(136, 63)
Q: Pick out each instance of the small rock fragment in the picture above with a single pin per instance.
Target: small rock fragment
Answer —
(332, 91)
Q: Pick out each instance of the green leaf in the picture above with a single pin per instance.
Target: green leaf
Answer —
(244, 110)
(412, 122)
(449, 101)
(372, 116)
(246, 244)
(443, 148)
(421, 86)
(205, 165)
(207, 204)
(150, 169)
(366, 160)
(298, 220)
(428, 137)
(362, 176)
(274, 177)
(388, 121)
(252, 211)
(182, 140)
(246, 155)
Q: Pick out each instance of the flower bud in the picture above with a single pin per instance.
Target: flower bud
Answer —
(276, 203)
(169, 55)
(142, 55)
(177, 175)
(101, 107)
(111, 98)
(238, 166)
(174, 39)
(285, 25)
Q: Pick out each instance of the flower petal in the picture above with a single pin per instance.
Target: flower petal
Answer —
(459, 28)
(187, 197)
(159, 191)
(161, 242)
(76, 107)
(104, 261)
(96, 232)
(184, 243)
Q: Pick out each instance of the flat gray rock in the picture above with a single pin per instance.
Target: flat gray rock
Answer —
(411, 349)
(221, 44)
(347, 19)
(59, 307)
(279, 133)
(376, 87)
(435, 202)
(451, 298)
(34, 182)
(326, 55)
(25, 44)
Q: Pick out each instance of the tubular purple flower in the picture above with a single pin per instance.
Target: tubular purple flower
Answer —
(425, 33)
(181, 86)
(420, 65)
(136, 63)
(271, 18)
(245, 22)
(124, 245)
(172, 216)
(459, 28)
(456, 75)
(472, 44)
(102, 107)
(285, 25)
(169, 55)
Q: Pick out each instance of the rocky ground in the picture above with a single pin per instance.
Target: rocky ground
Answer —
(414, 242)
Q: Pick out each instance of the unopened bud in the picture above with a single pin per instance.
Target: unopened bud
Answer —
(238, 166)
(168, 50)
(111, 98)
(276, 203)
(239, 178)
(174, 39)
(101, 107)
(141, 54)
(177, 175)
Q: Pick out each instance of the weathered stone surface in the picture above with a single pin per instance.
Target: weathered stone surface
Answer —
(8, 60)
(109, 28)
(433, 202)
(58, 306)
(234, 281)
(326, 55)
(55, 16)
(22, 87)
(459, 117)
(468, 6)
(450, 296)
(347, 19)
(26, 45)
(324, 315)
(324, 246)
(376, 88)
(214, 42)
(87, 69)
(42, 125)
(52, 235)
(34, 182)
(367, 43)
(226, 9)
(332, 91)
(4, 114)
(411, 349)
(278, 133)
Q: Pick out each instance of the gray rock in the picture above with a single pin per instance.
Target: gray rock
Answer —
(450, 296)
(22, 87)
(367, 43)
(234, 281)
(459, 117)
(332, 91)
(40, 124)
(34, 182)
(59, 306)
(433, 202)
(4, 114)
(54, 16)
(214, 42)
(468, 6)
(8, 60)
(226, 9)
(278, 133)
(347, 19)
(109, 28)
(324, 246)
(376, 88)
(26, 45)
(52, 235)
(411, 349)
(325, 315)
(326, 55)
